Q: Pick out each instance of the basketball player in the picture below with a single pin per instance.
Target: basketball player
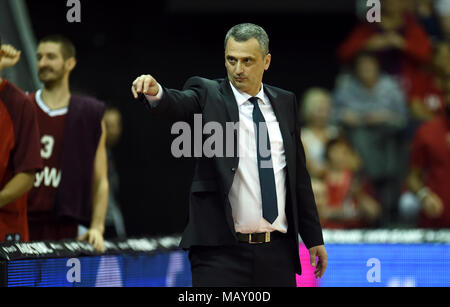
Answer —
(73, 187)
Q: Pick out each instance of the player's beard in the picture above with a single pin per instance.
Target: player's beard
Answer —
(55, 77)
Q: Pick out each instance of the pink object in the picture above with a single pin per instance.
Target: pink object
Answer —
(307, 279)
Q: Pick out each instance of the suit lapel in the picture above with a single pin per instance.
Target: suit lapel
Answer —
(282, 113)
(229, 100)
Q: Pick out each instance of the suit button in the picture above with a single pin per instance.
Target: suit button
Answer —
(233, 170)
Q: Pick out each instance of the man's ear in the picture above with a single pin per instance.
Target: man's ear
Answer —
(70, 64)
(267, 61)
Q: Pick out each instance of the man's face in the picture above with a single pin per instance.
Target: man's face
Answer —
(367, 70)
(339, 155)
(245, 65)
(321, 113)
(51, 64)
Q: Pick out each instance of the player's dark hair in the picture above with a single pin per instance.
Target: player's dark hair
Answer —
(67, 47)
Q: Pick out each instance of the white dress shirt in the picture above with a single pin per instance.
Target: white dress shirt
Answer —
(245, 194)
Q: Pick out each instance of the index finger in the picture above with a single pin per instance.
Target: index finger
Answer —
(322, 265)
(133, 90)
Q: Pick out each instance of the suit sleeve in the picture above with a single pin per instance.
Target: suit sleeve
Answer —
(308, 217)
(178, 105)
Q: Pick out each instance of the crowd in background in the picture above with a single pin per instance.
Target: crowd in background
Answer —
(378, 144)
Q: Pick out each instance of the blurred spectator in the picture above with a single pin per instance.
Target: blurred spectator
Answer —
(371, 108)
(342, 199)
(443, 11)
(430, 168)
(398, 41)
(317, 132)
(425, 12)
(427, 94)
(114, 224)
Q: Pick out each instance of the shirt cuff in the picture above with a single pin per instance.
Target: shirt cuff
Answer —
(153, 101)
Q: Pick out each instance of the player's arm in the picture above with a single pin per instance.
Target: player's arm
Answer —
(100, 190)
(16, 187)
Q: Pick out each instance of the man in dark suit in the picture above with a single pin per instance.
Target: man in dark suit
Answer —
(246, 207)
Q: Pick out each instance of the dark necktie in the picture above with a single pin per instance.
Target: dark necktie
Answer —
(265, 165)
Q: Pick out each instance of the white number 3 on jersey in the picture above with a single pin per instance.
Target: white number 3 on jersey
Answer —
(48, 142)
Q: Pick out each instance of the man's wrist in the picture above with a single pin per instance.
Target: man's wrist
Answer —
(157, 96)
(100, 229)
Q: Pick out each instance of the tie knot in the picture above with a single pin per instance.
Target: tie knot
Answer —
(253, 100)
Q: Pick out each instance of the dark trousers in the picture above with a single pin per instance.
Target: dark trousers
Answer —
(244, 265)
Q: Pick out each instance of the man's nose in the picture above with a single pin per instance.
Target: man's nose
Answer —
(239, 68)
(42, 62)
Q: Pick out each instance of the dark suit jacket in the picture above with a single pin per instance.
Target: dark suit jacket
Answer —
(210, 220)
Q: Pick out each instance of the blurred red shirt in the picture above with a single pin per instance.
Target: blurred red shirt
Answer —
(339, 196)
(425, 89)
(431, 154)
(406, 63)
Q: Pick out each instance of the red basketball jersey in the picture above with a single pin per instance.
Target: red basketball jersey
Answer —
(51, 125)
(19, 153)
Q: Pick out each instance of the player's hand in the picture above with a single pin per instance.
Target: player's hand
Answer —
(9, 56)
(380, 117)
(321, 265)
(351, 118)
(396, 40)
(145, 84)
(95, 238)
(377, 42)
(432, 205)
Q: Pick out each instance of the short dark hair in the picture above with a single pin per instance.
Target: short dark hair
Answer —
(245, 31)
(67, 47)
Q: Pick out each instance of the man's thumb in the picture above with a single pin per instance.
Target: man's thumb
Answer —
(82, 238)
(312, 255)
